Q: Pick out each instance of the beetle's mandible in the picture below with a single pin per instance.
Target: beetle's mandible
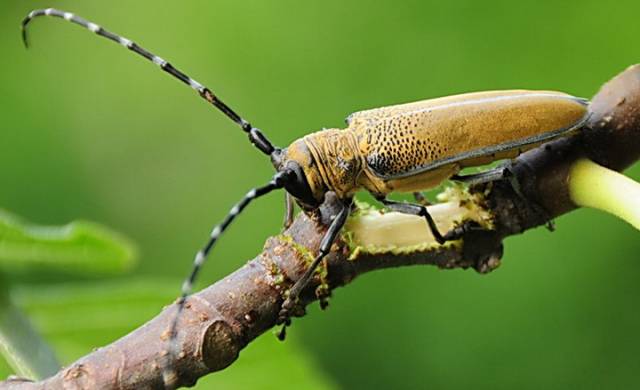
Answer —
(403, 148)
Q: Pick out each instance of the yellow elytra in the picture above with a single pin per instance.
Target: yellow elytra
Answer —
(415, 146)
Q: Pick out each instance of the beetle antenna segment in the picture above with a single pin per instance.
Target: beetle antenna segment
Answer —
(276, 182)
(256, 136)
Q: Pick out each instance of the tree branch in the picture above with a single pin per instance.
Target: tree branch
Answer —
(222, 319)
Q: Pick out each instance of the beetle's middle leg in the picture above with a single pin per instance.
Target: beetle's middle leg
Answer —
(420, 210)
(416, 209)
(421, 199)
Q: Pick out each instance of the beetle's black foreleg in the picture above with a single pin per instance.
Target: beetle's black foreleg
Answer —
(325, 247)
(419, 210)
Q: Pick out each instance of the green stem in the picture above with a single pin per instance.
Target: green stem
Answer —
(592, 185)
(22, 347)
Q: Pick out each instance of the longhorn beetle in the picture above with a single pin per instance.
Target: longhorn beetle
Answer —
(402, 148)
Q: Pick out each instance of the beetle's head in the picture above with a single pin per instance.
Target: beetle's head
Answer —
(304, 181)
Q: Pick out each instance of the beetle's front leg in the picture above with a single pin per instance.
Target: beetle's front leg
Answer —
(325, 246)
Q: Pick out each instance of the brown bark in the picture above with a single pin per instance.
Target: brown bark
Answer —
(222, 319)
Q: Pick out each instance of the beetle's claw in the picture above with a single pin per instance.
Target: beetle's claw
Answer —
(551, 225)
(284, 319)
(282, 334)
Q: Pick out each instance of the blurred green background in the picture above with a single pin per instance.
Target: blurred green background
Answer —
(90, 131)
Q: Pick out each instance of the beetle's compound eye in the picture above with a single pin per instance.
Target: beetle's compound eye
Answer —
(298, 186)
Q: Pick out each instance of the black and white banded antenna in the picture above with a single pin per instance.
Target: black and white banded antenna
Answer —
(256, 137)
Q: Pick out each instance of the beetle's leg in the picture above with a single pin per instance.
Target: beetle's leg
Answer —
(484, 177)
(500, 173)
(504, 172)
(517, 188)
(416, 209)
(420, 210)
(421, 199)
(289, 210)
(325, 247)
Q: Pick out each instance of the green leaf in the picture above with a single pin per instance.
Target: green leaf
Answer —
(76, 317)
(95, 310)
(79, 248)
(23, 348)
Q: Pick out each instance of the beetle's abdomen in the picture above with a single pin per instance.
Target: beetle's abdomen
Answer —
(404, 140)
